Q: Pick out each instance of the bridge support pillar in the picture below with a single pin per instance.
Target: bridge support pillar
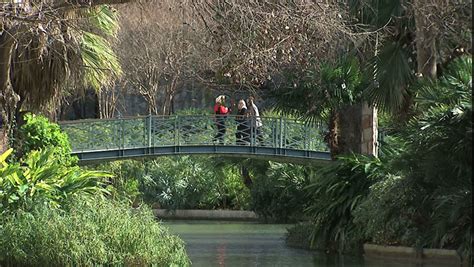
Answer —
(369, 145)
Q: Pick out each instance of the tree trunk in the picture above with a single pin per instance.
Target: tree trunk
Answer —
(7, 43)
(425, 41)
(333, 135)
(3, 139)
(167, 107)
(8, 98)
(347, 128)
(350, 129)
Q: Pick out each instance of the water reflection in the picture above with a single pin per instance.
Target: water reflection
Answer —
(211, 243)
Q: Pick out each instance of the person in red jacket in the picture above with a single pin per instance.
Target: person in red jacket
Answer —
(221, 112)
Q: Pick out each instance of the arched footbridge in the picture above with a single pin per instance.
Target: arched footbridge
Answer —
(278, 139)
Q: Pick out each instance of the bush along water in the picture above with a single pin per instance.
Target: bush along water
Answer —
(186, 182)
(54, 213)
(419, 193)
(40, 177)
(429, 202)
(278, 193)
(88, 233)
(335, 191)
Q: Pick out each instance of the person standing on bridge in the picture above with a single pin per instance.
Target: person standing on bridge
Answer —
(242, 135)
(256, 121)
(221, 112)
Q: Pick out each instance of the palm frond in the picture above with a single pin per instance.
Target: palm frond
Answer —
(393, 73)
(100, 61)
(453, 88)
(312, 95)
(105, 19)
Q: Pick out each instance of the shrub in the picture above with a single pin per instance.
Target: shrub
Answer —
(102, 232)
(182, 182)
(335, 193)
(278, 194)
(384, 217)
(436, 162)
(38, 133)
(297, 235)
(430, 204)
(126, 184)
(40, 176)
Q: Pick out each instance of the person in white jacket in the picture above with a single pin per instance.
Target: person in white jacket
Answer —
(255, 119)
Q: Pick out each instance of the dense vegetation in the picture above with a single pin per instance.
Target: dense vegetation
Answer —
(89, 232)
(53, 213)
(319, 63)
(419, 192)
(184, 182)
(200, 182)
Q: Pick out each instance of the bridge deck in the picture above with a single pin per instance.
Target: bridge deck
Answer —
(279, 139)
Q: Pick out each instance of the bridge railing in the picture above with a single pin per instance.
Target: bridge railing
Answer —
(193, 130)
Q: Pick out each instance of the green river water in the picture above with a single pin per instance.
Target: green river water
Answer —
(212, 243)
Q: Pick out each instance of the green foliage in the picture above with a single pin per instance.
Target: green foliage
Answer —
(385, 216)
(452, 89)
(429, 201)
(393, 66)
(125, 185)
(91, 233)
(335, 193)
(194, 111)
(185, 182)
(322, 89)
(278, 193)
(101, 64)
(297, 235)
(39, 133)
(393, 73)
(41, 177)
(437, 161)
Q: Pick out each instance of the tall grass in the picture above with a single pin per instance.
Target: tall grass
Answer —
(88, 233)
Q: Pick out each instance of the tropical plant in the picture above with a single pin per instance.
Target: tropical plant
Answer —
(182, 182)
(438, 158)
(384, 217)
(39, 133)
(49, 61)
(101, 64)
(98, 232)
(322, 94)
(428, 202)
(125, 185)
(278, 194)
(408, 37)
(335, 193)
(41, 177)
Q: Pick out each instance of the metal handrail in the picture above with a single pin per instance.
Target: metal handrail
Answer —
(193, 130)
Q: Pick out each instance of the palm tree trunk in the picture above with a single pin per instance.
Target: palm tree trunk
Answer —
(333, 137)
(425, 42)
(8, 98)
(6, 49)
(350, 130)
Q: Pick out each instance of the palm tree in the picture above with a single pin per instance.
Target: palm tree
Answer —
(322, 95)
(413, 38)
(38, 62)
(437, 158)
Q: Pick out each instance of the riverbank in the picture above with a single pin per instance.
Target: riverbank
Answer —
(228, 215)
(298, 237)
(425, 256)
